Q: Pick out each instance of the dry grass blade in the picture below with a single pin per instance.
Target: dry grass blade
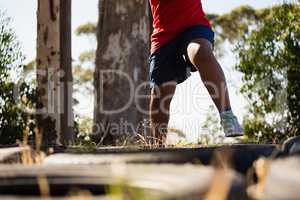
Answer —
(220, 186)
(261, 167)
(28, 155)
(178, 132)
(223, 177)
(143, 139)
(43, 186)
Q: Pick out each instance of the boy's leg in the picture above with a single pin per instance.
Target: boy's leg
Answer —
(200, 53)
(161, 97)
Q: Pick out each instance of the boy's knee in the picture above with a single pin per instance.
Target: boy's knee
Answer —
(199, 50)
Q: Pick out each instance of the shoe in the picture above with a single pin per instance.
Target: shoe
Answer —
(231, 125)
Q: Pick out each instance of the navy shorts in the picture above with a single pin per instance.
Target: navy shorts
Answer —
(170, 62)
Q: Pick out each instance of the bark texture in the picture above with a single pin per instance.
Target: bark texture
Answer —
(67, 116)
(52, 70)
(123, 47)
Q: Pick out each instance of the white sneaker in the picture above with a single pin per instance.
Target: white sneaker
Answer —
(231, 125)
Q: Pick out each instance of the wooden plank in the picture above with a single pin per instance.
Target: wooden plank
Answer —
(163, 181)
(242, 156)
(277, 179)
(12, 155)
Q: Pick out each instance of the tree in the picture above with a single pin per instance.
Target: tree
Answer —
(67, 116)
(16, 95)
(123, 47)
(269, 60)
(54, 117)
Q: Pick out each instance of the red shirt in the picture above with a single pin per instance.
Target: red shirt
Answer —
(171, 17)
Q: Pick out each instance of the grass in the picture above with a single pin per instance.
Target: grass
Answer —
(30, 156)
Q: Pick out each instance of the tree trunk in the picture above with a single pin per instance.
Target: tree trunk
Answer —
(53, 72)
(121, 66)
(67, 116)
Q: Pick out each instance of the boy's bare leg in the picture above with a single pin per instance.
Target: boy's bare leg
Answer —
(200, 53)
(160, 101)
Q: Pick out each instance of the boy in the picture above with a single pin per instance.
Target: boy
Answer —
(182, 41)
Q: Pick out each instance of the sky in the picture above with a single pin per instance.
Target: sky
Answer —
(23, 14)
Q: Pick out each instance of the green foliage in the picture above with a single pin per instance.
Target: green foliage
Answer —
(270, 62)
(30, 67)
(85, 29)
(211, 128)
(87, 56)
(83, 71)
(236, 24)
(15, 94)
(82, 75)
